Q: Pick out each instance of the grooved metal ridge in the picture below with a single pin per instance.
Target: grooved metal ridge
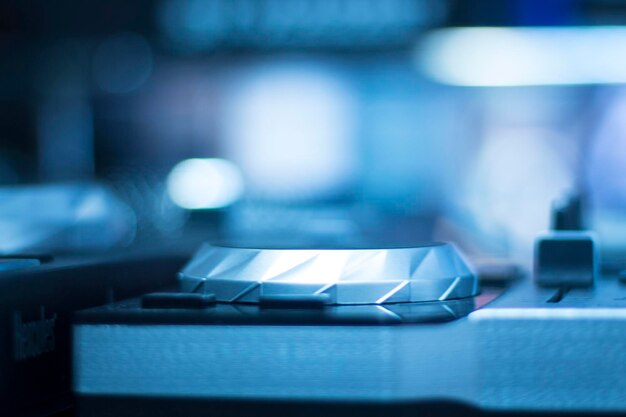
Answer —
(343, 276)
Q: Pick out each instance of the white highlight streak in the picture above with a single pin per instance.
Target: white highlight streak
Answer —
(549, 314)
(497, 56)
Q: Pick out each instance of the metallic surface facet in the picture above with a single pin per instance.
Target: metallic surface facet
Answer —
(348, 276)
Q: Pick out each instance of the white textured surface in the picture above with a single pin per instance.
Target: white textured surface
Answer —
(493, 360)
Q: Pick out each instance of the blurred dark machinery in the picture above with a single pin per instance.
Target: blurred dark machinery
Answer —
(99, 102)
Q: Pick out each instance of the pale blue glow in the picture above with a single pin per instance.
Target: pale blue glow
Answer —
(204, 183)
(607, 155)
(605, 163)
(549, 314)
(492, 56)
(515, 176)
(290, 127)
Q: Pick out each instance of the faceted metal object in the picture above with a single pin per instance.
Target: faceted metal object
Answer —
(434, 272)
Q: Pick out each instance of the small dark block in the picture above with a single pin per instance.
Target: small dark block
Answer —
(41, 257)
(566, 259)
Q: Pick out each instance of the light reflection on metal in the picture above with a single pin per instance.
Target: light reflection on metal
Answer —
(345, 276)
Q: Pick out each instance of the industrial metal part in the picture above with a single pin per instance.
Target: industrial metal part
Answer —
(566, 259)
(433, 272)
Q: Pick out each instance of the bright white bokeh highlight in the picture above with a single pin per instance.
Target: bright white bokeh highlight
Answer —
(290, 127)
(209, 183)
(515, 177)
(521, 56)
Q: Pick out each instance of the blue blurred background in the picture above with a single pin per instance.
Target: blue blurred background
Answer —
(131, 122)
